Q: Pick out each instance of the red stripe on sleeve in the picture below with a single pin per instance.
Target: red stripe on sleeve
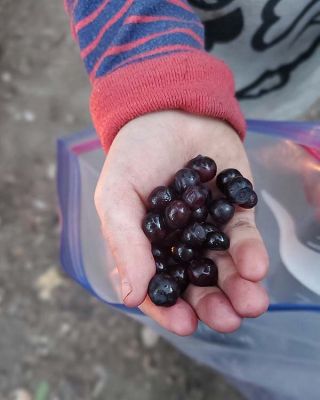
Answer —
(158, 50)
(138, 19)
(87, 20)
(112, 21)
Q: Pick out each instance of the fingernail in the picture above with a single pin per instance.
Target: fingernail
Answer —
(126, 289)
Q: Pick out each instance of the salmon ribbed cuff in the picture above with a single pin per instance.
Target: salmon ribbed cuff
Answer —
(193, 82)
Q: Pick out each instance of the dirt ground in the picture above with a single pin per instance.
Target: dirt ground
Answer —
(56, 341)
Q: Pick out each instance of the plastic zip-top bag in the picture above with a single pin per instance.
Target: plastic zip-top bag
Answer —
(276, 356)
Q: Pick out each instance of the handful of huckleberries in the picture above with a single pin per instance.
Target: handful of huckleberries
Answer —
(185, 220)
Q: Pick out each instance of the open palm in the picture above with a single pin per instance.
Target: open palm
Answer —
(146, 153)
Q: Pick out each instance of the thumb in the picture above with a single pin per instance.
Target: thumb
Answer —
(121, 211)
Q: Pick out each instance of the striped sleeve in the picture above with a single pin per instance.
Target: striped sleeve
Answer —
(148, 55)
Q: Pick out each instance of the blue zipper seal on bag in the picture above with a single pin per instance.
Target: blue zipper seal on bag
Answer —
(305, 133)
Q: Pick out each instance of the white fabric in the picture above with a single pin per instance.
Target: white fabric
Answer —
(256, 38)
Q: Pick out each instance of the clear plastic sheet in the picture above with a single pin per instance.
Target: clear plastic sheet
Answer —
(276, 356)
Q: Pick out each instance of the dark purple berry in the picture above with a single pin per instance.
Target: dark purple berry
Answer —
(210, 228)
(163, 290)
(195, 196)
(206, 190)
(199, 214)
(205, 167)
(171, 262)
(161, 265)
(177, 214)
(160, 197)
(218, 241)
(221, 211)
(182, 252)
(226, 176)
(184, 178)
(173, 190)
(194, 235)
(203, 272)
(252, 202)
(239, 190)
(180, 274)
(209, 198)
(159, 252)
(154, 227)
(172, 238)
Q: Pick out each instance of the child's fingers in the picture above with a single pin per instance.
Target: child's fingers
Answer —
(249, 299)
(213, 308)
(246, 246)
(121, 212)
(179, 319)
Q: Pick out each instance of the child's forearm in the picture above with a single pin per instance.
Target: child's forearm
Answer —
(148, 55)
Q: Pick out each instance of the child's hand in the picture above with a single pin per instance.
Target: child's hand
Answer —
(146, 153)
